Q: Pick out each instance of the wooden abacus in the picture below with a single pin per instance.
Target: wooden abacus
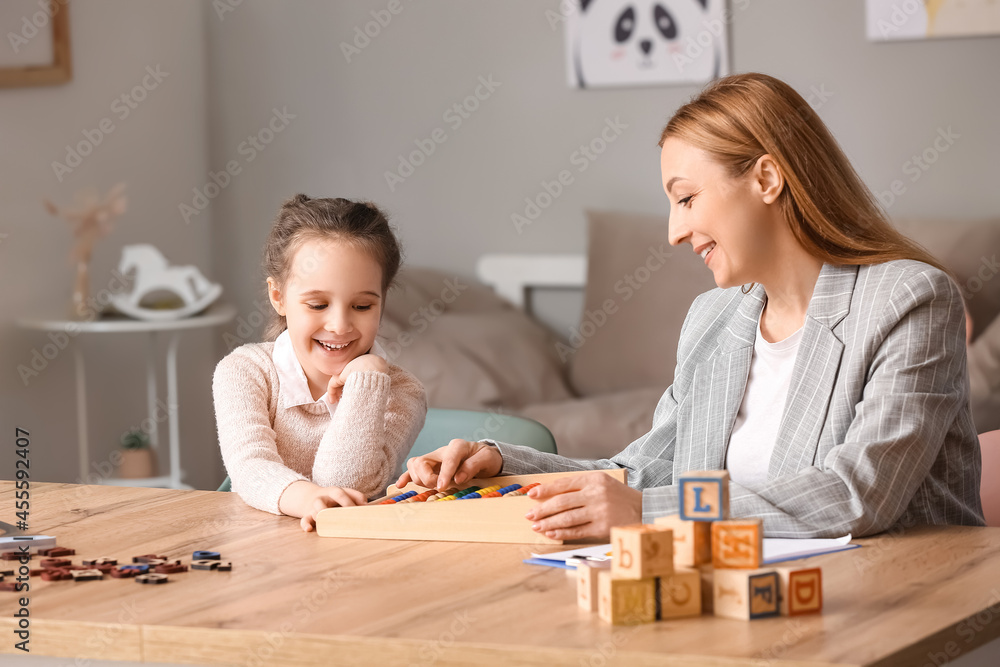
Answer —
(494, 518)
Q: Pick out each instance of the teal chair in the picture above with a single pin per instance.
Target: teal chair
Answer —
(441, 426)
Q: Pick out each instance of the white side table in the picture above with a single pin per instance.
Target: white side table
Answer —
(215, 315)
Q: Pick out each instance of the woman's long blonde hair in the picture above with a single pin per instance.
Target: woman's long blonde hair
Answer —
(829, 209)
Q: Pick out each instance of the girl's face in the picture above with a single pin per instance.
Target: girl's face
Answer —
(731, 218)
(332, 302)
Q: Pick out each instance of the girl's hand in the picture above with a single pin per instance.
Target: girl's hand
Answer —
(330, 496)
(584, 506)
(365, 362)
(452, 465)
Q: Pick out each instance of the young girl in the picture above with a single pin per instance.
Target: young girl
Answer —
(318, 418)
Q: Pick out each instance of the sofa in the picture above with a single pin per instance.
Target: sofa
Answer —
(597, 385)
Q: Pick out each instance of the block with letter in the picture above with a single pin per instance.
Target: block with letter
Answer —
(626, 601)
(704, 495)
(680, 594)
(801, 590)
(641, 551)
(707, 573)
(746, 594)
(738, 543)
(692, 540)
(586, 583)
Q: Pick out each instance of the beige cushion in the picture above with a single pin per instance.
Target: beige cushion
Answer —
(639, 289)
(599, 426)
(971, 250)
(984, 378)
(476, 352)
(418, 287)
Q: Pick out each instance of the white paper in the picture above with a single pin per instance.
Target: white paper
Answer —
(780, 549)
(600, 551)
(775, 549)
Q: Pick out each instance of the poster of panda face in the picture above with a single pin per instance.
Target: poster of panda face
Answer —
(645, 42)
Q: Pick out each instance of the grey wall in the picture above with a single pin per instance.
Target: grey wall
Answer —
(156, 150)
(886, 102)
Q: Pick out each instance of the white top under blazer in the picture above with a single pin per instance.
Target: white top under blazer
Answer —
(756, 429)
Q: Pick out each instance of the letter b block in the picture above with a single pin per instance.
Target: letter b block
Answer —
(640, 551)
(737, 544)
(801, 590)
(704, 495)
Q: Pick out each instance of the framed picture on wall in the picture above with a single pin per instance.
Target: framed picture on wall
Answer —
(645, 42)
(36, 49)
(889, 20)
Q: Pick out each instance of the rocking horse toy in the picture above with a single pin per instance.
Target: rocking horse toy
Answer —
(154, 274)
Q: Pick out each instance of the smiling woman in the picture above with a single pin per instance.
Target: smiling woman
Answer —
(833, 389)
(316, 417)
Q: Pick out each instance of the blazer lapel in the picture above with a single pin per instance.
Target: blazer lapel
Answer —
(815, 371)
(717, 388)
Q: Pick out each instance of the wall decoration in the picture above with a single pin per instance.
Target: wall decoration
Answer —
(889, 20)
(646, 42)
(37, 50)
(91, 219)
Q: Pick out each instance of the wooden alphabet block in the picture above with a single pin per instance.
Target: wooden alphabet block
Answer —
(738, 544)
(641, 551)
(707, 573)
(680, 594)
(625, 601)
(586, 583)
(692, 540)
(746, 594)
(801, 590)
(704, 495)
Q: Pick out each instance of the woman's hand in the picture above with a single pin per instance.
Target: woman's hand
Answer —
(330, 496)
(580, 506)
(365, 362)
(455, 464)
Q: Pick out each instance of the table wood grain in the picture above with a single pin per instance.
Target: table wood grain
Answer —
(298, 599)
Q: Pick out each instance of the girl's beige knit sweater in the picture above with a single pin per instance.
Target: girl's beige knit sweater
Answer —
(266, 447)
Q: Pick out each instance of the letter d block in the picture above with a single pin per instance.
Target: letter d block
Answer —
(801, 590)
(625, 601)
(692, 540)
(737, 544)
(704, 495)
(680, 594)
(641, 551)
(747, 594)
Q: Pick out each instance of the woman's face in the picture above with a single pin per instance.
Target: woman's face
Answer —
(730, 218)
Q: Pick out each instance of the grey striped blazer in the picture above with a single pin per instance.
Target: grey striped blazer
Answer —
(876, 431)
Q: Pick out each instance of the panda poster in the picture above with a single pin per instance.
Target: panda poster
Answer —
(645, 42)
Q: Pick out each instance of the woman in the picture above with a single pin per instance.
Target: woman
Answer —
(832, 386)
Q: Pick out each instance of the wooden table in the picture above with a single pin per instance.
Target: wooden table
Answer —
(295, 598)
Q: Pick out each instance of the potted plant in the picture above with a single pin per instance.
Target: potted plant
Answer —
(136, 456)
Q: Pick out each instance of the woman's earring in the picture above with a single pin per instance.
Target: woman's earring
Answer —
(747, 291)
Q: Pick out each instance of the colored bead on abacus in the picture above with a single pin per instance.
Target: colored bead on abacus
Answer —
(480, 493)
